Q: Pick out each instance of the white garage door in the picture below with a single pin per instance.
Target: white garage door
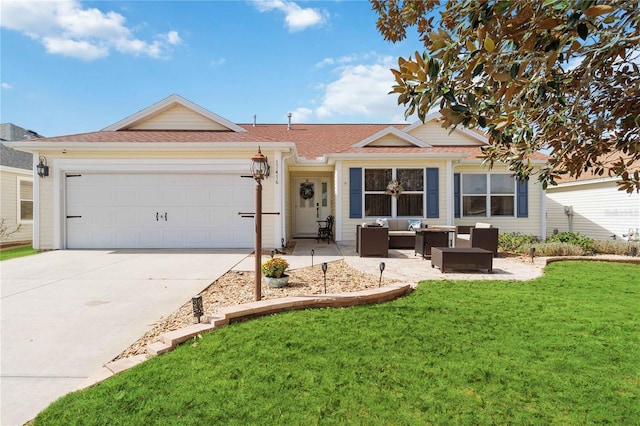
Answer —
(158, 210)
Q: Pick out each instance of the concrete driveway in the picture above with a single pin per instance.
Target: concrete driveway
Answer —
(67, 313)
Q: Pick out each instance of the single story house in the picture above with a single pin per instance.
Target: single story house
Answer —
(173, 175)
(16, 186)
(593, 206)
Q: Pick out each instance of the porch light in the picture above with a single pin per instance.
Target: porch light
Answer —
(42, 169)
(198, 310)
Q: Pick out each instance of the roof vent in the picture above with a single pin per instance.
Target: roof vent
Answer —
(255, 117)
(289, 125)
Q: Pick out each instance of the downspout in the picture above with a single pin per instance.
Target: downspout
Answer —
(449, 193)
(337, 198)
(36, 203)
(543, 214)
(284, 180)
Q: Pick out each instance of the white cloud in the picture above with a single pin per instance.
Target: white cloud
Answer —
(347, 59)
(362, 90)
(6, 86)
(217, 62)
(67, 28)
(296, 17)
(301, 115)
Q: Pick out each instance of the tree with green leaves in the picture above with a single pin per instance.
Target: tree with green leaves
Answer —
(555, 75)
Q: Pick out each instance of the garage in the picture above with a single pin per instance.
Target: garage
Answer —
(158, 210)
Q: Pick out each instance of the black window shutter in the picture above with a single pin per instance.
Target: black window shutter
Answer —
(523, 198)
(433, 192)
(456, 194)
(355, 192)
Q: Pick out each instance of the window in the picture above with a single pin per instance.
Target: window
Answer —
(377, 202)
(488, 195)
(25, 200)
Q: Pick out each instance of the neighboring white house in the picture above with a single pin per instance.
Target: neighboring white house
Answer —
(170, 176)
(16, 185)
(593, 207)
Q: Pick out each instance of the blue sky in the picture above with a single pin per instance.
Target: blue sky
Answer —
(78, 66)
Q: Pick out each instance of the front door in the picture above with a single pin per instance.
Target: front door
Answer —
(312, 204)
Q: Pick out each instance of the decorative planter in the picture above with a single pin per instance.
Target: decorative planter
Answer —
(277, 282)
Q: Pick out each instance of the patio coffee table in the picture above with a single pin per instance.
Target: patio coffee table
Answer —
(461, 258)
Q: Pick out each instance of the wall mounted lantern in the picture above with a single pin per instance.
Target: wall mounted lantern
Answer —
(42, 169)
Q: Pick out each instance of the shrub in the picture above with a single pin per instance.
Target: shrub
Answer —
(619, 247)
(516, 242)
(574, 238)
(274, 268)
(558, 249)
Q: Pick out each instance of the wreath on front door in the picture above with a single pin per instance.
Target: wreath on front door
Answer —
(306, 190)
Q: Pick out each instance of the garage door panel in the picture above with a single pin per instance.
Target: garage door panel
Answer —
(128, 211)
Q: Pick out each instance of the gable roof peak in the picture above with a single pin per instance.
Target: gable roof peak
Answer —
(394, 136)
(174, 100)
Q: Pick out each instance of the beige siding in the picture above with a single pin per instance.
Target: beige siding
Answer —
(599, 210)
(9, 204)
(178, 118)
(531, 225)
(349, 225)
(434, 134)
(390, 140)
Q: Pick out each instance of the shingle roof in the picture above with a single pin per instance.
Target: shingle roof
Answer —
(312, 140)
(11, 158)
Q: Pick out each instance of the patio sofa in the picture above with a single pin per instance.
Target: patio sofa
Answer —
(482, 235)
(400, 236)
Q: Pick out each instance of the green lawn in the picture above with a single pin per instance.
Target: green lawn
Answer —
(17, 252)
(563, 349)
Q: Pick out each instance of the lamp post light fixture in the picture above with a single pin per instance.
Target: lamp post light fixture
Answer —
(259, 170)
(198, 310)
(382, 265)
(42, 169)
(324, 271)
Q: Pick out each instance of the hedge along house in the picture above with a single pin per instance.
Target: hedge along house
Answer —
(171, 176)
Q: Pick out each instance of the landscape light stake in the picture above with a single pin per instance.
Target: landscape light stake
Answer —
(324, 271)
(532, 253)
(198, 310)
(312, 252)
(273, 253)
(382, 265)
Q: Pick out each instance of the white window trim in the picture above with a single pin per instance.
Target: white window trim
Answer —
(19, 219)
(394, 200)
(488, 196)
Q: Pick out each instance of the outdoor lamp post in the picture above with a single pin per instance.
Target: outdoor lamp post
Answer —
(259, 171)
